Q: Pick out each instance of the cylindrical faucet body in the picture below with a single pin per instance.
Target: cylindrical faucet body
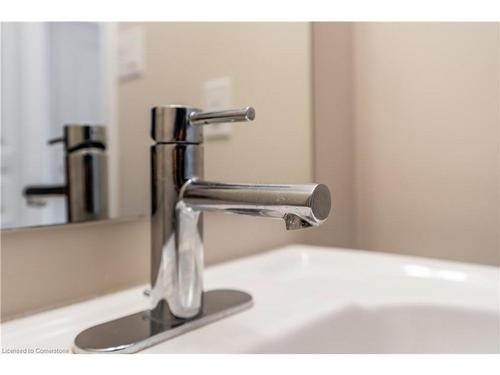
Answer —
(176, 231)
(86, 172)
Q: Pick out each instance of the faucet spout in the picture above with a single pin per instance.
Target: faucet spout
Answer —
(300, 206)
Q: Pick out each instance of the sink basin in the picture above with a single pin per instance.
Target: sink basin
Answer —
(397, 329)
(312, 300)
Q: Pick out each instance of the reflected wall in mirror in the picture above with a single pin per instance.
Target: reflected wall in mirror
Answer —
(98, 82)
(57, 123)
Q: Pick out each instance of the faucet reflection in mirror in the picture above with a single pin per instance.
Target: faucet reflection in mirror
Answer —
(86, 170)
(179, 196)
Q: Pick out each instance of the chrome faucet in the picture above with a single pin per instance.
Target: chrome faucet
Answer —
(86, 174)
(179, 195)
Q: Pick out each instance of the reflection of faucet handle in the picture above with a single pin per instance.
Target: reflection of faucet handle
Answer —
(55, 140)
(179, 124)
(220, 117)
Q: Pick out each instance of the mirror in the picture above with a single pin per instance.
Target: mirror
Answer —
(76, 100)
(56, 123)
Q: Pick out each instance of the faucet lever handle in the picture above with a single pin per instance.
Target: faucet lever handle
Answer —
(53, 141)
(219, 117)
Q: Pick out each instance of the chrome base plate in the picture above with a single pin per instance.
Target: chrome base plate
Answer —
(146, 328)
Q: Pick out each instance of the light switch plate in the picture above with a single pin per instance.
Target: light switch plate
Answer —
(130, 53)
(217, 95)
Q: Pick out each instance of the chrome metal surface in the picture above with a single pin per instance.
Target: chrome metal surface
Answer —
(175, 123)
(300, 206)
(171, 124)
(138, 331)
(178, 198)
(86, 174)
(89, 135)
(220, 117)
(176, 232)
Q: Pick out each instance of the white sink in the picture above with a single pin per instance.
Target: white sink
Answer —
(313, 300)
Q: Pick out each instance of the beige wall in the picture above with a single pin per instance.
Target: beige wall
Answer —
(426, 120)
(425, 115)
(334, 133)
(48, 267)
